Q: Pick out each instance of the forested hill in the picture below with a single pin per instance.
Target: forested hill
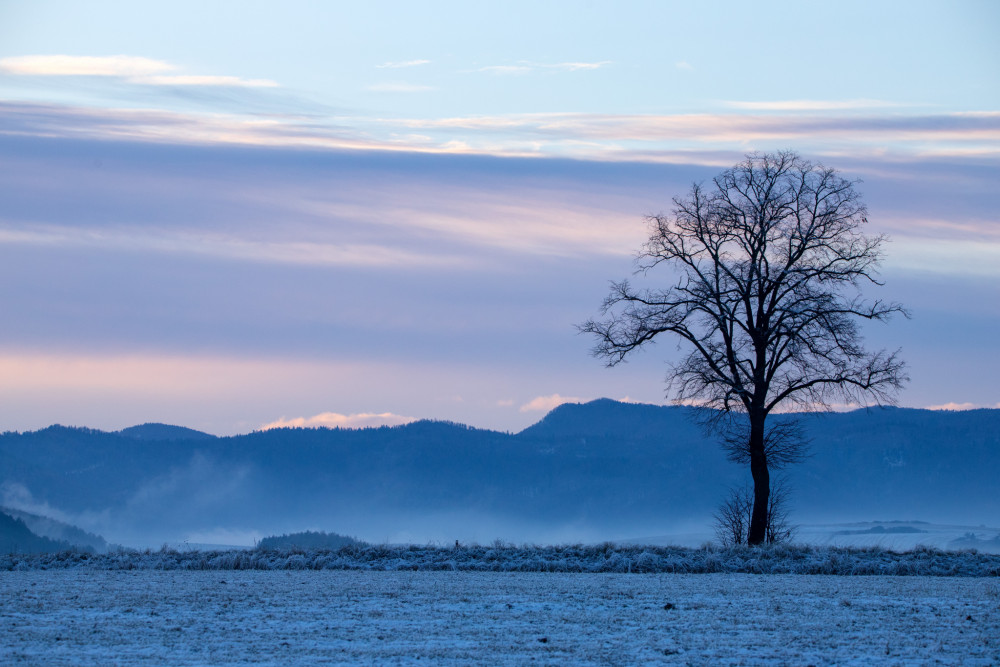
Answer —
(163, 432)
(15, 537)
(601, 468)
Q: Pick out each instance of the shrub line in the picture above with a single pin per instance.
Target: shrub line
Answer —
(500, 557)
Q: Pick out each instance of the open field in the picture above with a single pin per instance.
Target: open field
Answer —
(81, 616)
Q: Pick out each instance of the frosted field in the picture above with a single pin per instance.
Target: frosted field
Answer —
(73, 617)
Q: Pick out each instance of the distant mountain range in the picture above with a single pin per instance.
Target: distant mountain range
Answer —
(600, 470)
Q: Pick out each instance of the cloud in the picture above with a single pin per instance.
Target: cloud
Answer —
(506, 69)
(524, 67)
(435, 222)
(808, 105)
(399, 87)
(709, 139)
(654, 137)
(336, 420)
(979, 231)
(684, 65)
(961, 406)
(301, 252)
(406, 223)
(575, 67)
(433, 217)
(190, 80)
(546, 403)
(514, 220)
(735, 129)
(405, 63)
(977, 257)
(63, 65)
(134, 69)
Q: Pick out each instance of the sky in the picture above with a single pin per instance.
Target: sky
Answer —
(236, 215)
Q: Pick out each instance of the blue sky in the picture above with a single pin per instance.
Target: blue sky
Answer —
(234, 214)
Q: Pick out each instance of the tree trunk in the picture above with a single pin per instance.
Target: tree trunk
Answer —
(761, 482)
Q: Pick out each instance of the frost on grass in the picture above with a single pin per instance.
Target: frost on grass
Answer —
(499, 557)
(85, 617)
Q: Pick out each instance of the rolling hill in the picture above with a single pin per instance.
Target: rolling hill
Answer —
(600, 470)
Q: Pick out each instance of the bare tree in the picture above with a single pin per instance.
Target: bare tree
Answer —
(779, 530)
(732, 520)
(768, 261)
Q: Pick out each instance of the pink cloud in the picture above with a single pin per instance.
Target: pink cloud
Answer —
(959, 406)
(546, 403)
(337, 420)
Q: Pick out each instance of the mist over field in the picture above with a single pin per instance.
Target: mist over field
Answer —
(590, 472)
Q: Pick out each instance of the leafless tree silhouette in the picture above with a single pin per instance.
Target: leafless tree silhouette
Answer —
(732, 519)
(768, 263)
(785, 441)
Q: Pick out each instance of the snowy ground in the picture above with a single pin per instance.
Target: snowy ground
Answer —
(79, 616)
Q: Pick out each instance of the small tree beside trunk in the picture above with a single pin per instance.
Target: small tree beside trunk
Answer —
(732, 519)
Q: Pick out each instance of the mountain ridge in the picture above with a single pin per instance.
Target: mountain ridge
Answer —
(158, 431)
(601, 469)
